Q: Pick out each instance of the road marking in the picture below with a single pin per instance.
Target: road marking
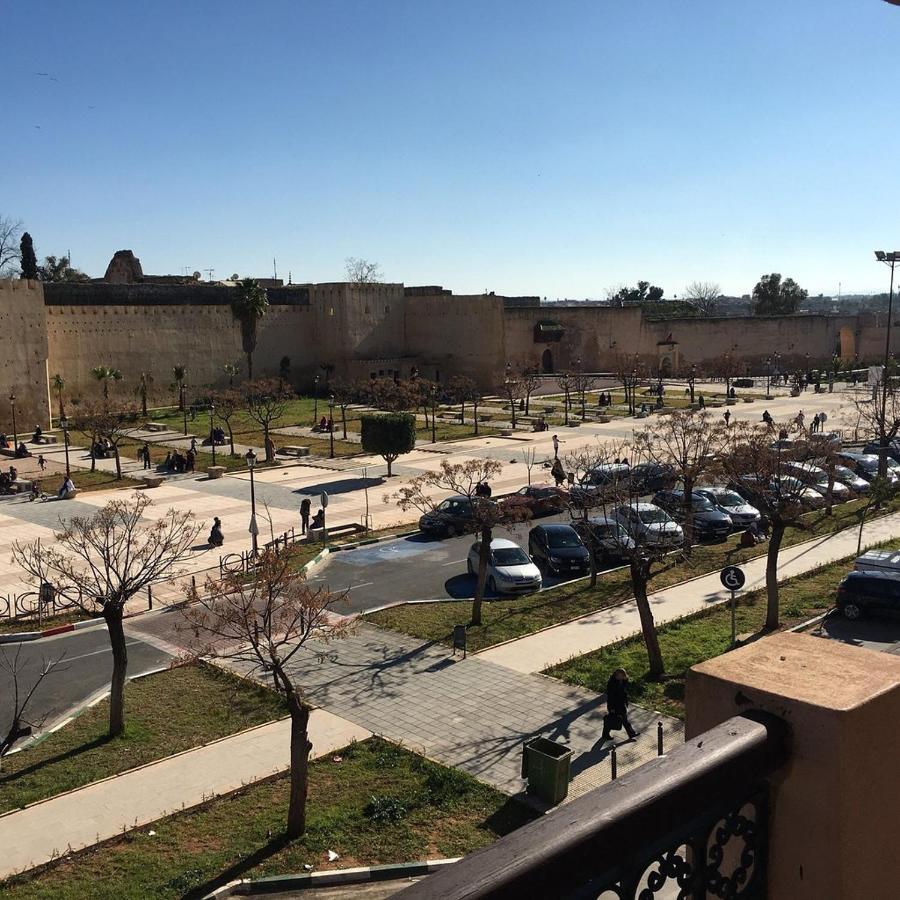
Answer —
(362, 584)
(70, 659)
(455, 562)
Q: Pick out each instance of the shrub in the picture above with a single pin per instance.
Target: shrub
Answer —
(389, 435)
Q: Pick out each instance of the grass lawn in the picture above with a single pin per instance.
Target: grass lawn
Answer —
(503, 620)
(699, 637)
(11, 626)
(165, 713)
(378, 804)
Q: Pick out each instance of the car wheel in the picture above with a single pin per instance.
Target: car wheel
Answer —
(852, 611)
(492, 585)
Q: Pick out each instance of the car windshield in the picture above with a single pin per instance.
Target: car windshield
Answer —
(698, 501)
(893, 464)
(731, 499)
(651, 516)
(510, 556)
(562, 538)
(844, 472)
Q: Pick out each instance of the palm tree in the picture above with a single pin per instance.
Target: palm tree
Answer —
(105, 374)
(142, 389)
(180, 373)
(248, 307)
(59, 385)
(232, 371)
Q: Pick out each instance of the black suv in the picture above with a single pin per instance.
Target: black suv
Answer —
(559, 549)
(865, 593)
(646, 478)
(708, 520)
(455, 515)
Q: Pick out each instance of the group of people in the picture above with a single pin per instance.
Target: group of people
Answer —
(178, 462)
(7, 479)
(324, 424)
(318, 520)
(605, 399)
(216, 436)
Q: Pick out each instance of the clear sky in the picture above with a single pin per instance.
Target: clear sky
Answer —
(553, 148)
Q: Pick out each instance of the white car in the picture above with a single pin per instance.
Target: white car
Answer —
(649, 525)
(510, 569)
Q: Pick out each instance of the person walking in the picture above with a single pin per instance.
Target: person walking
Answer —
(555, 446)
(305, 506)
(616, 717)
(146, 455)
(823, 418)
(42, 462)
(727, 417)
(193, 443)
(800, 419)
(557, 471)
(190, 460)
(815, 423)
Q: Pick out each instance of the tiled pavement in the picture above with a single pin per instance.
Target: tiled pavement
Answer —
(467, 713)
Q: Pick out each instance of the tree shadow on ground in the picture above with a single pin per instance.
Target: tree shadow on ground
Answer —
(267, 850)
(8, 777)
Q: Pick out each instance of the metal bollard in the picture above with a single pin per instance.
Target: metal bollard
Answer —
(194, 583)
(613, 763)
(659, 739)
(149, 596)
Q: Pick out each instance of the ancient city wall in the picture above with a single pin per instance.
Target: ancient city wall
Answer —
(23, 350)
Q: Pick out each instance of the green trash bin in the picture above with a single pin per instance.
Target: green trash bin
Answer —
(546, 765)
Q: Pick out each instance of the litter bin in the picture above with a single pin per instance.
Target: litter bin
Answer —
(546, 765)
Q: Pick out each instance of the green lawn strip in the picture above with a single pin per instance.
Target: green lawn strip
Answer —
(702, 636)
(165, 714)
(503, 620)
(13, 626)
(379, 804)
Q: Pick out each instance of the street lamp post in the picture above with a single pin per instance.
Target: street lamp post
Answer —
(691, 380)
(12, 403)
(889, 259)
(212, 437)
(331, 426)
(250, 457)
(316, 400)
(768, 378)
(184, 406)
(64, 424)
(633, 387)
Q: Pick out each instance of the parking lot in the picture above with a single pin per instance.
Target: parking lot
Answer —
(882, 634)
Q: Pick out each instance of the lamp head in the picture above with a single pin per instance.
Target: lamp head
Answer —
(880, 255)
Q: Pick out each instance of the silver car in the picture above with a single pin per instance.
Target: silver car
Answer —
(510, 569)
(742, 513)
(648, 525)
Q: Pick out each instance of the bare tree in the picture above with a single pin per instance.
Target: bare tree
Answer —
(104, 560)
(228, 402)
(761, 470)
(581, 382)
(462, 479)
(261, 624)
(10, 234)
(267, 400)
(20, 723)
(724, 367)
(690, 443)
(361, 271)
(460, 388)
(703, 296)
(564, 383)
(344, 394)
(879, 416)
(108, 423)
(512, 390)
(531, 381)
(529, 455)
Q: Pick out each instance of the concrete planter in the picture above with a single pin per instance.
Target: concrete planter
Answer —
(152, 481)
(748, 399)
(731, 401)
(215, 471)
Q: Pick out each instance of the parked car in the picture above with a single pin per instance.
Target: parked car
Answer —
(885, 561)
(817, 478)
(874, 449)
(743, 515)
(866, 465)
(649, 477)
(558, 549)
(606, 479)
(757, 492)
(510, 569)
(709, 521)
(648, 525)
(606, 537)
(848, 477)
(868, 593)
(455, 515)
(540, 499)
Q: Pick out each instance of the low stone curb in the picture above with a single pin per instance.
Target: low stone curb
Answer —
(330, 878)
(21, 636)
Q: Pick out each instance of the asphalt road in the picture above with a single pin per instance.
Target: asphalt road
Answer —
(84, 670)
(882, 634)
(413, 568)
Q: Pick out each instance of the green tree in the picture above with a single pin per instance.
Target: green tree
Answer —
(59, 385)
(248, 307)
(60, 270)
(142, 390)
(27, 259)
(106, 374)
(179, 373)
(388, 435)
(774, 297)
(643, 292)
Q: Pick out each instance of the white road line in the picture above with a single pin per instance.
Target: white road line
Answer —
(362, 584)
(70, 659)
(455, 562)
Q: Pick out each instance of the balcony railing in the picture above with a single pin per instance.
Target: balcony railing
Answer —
(691, 824)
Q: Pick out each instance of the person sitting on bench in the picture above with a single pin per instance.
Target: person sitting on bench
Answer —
(66, 489)
(318, 520)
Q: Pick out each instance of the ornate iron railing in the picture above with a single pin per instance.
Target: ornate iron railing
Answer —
(691, 824)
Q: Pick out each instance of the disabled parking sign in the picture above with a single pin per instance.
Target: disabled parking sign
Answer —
(732, 578)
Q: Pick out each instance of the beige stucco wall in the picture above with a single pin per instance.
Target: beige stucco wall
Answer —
(834, 825)
(23, 351)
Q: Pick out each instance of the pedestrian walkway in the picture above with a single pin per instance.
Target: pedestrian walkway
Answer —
(470, 714)
(81, 818)
(537, 652)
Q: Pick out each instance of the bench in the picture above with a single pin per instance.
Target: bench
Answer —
(215, 471)
(47, 438)
(152, 481)
(294, 450)
(156, 426)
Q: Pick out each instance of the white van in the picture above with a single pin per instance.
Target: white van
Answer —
(885, 561)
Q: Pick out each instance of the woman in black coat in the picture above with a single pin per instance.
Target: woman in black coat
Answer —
(617, 706)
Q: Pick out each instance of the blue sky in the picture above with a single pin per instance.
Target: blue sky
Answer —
(523, 147)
